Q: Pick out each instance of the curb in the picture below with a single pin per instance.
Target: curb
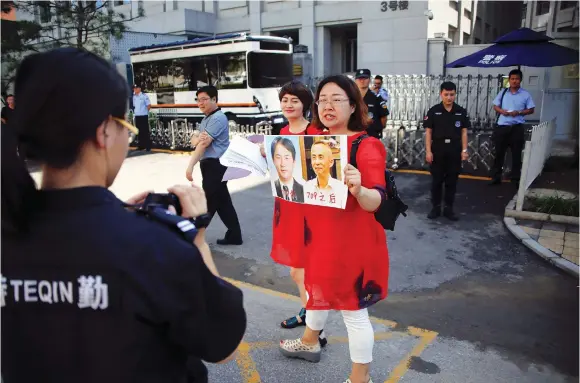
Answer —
(530, 243)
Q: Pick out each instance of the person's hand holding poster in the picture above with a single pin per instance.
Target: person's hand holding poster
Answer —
(308, 169)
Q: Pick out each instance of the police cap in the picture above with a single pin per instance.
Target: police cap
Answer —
(363, 73)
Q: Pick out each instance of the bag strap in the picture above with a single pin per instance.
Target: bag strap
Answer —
(354, 149)
(501, 103)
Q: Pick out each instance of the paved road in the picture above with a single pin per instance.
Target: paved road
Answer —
(501, 314)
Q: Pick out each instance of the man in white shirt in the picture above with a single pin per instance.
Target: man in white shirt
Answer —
(324, 190)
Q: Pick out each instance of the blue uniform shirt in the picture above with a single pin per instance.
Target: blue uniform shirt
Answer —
(140, 104)
(383, 93)
(521, 100)
(216, 125)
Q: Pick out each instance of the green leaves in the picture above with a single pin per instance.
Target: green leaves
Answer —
(51, 24)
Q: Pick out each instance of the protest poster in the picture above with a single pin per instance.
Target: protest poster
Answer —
(308, 169)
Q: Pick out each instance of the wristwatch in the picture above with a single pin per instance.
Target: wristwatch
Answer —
(201, 221)
(464, 150)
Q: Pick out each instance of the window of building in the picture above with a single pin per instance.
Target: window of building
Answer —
(452, 34)
(568, 29)
(44, 12)
(121, 2)
(542, 8)
(477, 41)
(467, 14)
(524, 11)
(567, 4)
(453, 4)
(465, 38)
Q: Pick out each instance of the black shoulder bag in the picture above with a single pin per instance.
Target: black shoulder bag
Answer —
(391, 207)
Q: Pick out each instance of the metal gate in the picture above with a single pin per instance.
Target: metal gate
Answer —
(410, 96)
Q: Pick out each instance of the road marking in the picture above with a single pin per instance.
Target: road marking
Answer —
(426, 172)
(409, 171)
(248, 367)
(426, 337)
(246, 364)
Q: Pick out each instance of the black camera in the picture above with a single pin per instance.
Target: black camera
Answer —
(155, 200)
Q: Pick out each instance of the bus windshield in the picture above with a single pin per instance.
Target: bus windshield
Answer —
(269, 70)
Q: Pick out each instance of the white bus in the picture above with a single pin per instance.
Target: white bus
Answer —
(247, 70)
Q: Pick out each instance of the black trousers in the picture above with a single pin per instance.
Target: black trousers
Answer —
(445, 169)
(505, 136)
(142, 123)
(218, 196)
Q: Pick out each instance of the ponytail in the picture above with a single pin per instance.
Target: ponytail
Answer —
(19, 193)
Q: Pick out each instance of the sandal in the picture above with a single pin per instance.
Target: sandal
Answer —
(294, 348)
(295, 321)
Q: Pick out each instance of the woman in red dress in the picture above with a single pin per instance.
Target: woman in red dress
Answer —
(347, 261)
(288, 242)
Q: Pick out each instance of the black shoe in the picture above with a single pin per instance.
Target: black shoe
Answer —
(449, 214)
(434, 213)
(323, 341)
(229, 241)
(295, 321)
(495, 181)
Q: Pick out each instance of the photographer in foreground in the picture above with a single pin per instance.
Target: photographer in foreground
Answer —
(93, 291)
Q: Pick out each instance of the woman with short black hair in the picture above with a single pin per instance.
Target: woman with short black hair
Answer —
(93, 291)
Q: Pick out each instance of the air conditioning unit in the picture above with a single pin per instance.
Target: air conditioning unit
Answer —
(299, 48)
(440, 35)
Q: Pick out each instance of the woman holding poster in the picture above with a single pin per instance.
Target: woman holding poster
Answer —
(288, 236)
(346, 256)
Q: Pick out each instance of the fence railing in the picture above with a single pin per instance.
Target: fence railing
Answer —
(405, 148)
(410, 96)
(177, 133)
(540, 144)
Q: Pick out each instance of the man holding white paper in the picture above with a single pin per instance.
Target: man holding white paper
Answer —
(210, 145)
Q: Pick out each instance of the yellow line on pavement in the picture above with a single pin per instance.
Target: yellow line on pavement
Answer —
(426, 337)
(426, 172)
(246, 364)
(248, 368)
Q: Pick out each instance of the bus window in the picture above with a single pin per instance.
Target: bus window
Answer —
(232, 71)
(182, 75)
(204, 71)
(157, 77)
(269, 70)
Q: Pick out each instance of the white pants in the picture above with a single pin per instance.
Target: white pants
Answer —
(361, 337)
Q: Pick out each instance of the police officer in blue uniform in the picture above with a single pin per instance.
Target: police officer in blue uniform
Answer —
(141, 107)
(377, 109)
(92, 289)
(446, 127)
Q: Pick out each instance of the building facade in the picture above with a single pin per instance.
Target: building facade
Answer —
(385, 36)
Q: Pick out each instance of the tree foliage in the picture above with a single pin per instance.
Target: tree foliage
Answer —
(77, 23)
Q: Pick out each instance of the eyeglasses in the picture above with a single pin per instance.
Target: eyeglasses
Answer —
(332, 102)
(133, 131)
(203, 99)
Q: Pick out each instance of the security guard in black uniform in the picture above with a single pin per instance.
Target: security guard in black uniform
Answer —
(377, 107)
(446, 127)
(92, 289)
